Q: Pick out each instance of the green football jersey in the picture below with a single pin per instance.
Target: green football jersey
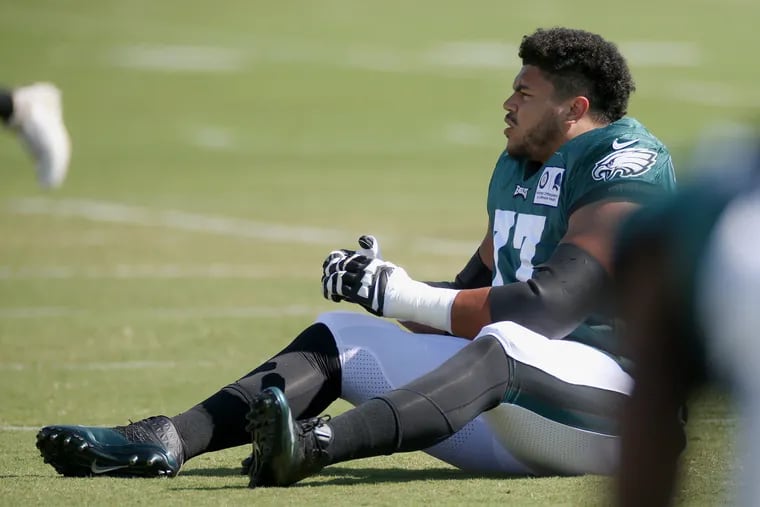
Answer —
(529, 210)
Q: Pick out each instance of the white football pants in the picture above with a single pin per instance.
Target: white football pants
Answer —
(377, 355)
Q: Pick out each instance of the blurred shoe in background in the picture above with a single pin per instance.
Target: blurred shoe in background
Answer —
(38, 119)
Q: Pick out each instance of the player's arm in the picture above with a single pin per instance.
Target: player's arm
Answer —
(477, 273)
(572, 283)
(562, 291)
(652, 435)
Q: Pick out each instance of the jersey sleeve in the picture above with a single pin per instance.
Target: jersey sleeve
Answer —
(636, 169)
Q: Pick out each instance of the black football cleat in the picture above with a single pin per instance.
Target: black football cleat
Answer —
(147, 448)
(284, 450)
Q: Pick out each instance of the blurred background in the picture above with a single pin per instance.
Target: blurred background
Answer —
(221, 149)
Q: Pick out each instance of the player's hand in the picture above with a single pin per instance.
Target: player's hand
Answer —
(343, 271)
(334, 266)
(360, 279)
(384, 289)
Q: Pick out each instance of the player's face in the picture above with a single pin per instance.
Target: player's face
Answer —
(534, 128)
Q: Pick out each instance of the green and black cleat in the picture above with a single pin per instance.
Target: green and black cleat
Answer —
(284, 450)
(151, 447)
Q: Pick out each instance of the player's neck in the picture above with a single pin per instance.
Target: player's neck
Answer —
(583, 125)
(576, 129)
(572, 131)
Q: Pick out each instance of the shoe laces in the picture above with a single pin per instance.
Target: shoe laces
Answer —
(137, 431)
(314, 422)
(316, 445)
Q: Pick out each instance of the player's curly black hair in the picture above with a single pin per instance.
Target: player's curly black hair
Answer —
(582, 63)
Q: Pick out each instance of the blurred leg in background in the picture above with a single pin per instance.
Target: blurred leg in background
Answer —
(35, 113)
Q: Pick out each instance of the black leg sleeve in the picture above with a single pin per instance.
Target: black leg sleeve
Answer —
(428, 409)
(437, 405)
(308, 371)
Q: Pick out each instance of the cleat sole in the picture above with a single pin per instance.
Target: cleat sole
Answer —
(73, 456)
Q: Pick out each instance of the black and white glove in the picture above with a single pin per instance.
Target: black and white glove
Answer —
(383, 288)
(343, 270)
(358, 279)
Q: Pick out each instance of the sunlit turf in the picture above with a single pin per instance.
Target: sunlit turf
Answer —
(229, 148)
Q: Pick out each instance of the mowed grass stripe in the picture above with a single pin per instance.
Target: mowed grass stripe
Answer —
(242, 312)
(112, 212)
(163, 271)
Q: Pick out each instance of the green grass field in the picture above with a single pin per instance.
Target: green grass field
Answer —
(221, 150)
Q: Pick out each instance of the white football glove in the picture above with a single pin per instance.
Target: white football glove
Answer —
(361, 280)
(336, 276)
(383, 288)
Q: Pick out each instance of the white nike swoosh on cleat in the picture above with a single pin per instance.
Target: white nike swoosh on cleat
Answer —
(619, 146)
(102, 470)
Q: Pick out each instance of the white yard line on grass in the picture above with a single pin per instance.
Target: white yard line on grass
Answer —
(20, 428)
(212, 138)
(243, 312)
(99, 366)
(457, 57)
(712, 93)
(462, 58)
(111, 212)
(117, 365)
(176, 58)
(146, 271)
(104, 211)
(38, 312)
(662, 53)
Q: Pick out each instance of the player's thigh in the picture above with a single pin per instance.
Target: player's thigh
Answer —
(561, 416)
(377, 355)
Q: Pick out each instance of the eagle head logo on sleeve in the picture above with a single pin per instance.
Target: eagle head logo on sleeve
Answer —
(625, 163)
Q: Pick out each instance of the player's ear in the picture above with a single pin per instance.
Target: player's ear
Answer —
(577, 108)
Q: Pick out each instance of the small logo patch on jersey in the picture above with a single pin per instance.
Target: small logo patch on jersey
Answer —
(549, 186)
(625, 163)
(521, 191)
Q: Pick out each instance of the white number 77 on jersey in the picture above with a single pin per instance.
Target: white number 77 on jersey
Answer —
(525, 230)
